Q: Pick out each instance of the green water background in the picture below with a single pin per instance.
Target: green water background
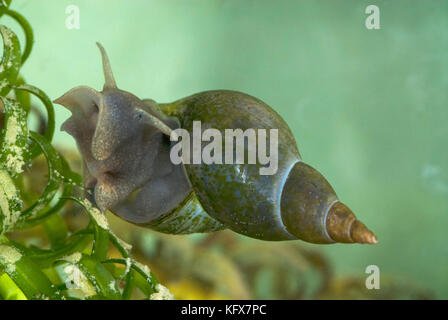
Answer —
(368, 108)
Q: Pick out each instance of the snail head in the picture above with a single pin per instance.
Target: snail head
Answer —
(119, 137)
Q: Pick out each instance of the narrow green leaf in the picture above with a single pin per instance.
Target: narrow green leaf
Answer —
(25, 274)
(4, 4)
(15, 137)
(143, 278)
(101, 243)
(70, 179)
(54, 176)
(56, 230)
(46, 258)
(22, 97)
(27, 30)
(129, 286)
(101, 279)
(10, 203)
(11, 60)
(9, 290)
(49, 131)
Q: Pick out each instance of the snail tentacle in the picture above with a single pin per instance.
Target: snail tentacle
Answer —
(108, 75)
(155, 122)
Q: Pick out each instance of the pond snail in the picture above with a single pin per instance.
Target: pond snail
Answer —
(125, 144)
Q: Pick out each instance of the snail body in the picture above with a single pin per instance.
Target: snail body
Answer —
(125, 145)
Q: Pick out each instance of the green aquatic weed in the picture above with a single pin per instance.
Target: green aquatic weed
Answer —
(76, 265)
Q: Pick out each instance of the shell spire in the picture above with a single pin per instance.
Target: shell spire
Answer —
(312, 212)
(108, 75)
(343, 226)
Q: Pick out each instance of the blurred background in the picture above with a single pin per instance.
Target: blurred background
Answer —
(368, 109)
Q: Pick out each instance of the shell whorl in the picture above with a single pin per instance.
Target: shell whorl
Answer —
(344, 227)
(312, 212)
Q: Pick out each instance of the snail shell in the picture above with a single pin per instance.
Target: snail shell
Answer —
(125, 145)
